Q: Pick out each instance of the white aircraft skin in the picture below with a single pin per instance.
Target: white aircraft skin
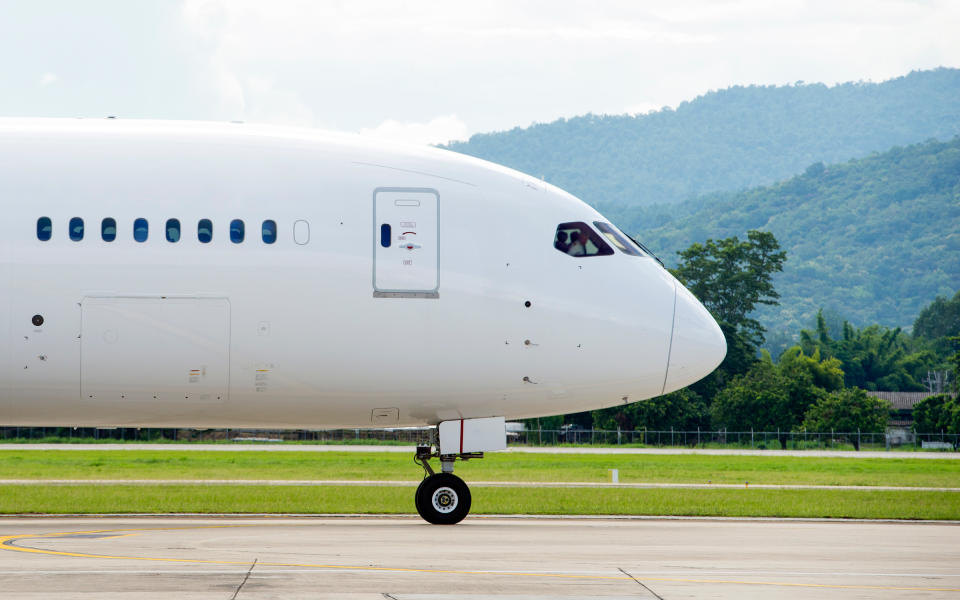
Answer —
(293, 335)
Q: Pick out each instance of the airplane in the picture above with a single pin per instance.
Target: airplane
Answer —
(215, 275)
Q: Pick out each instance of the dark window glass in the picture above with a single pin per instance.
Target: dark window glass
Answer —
(579, 239)
(205, 231)
(385, 235)
(173, 230)
(76, 229)
(617, 238)
(108, 229)
(141, 229)
(269, 231)
(44, 229)
(236, 231)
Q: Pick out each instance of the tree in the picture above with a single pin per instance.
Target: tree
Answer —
(775, 397)
(683, 410)
(937, 414)
(825, 373)
(849, 411)
(873, 358)
(759, 400)
(941, 318)
(955, 362)
(731, 278)
(551, 423)
(752, 401)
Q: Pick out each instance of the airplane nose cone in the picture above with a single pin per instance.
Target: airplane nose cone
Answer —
(698, 345)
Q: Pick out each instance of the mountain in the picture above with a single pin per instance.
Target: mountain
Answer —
(726, 140)
(872, 240)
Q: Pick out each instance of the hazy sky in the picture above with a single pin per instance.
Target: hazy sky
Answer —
(437, 70)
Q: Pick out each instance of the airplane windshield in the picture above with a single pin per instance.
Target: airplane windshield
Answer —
(617, 238)
(579, 239)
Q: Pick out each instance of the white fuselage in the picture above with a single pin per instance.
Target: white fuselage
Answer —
(327, 326)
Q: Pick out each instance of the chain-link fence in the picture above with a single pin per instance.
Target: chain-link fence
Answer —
(794, 440)
(410, 435)
(567, 436)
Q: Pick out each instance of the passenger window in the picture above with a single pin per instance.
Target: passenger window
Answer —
(44, 229)
(236, 231)
(301, 232)
(173, 230)
(579, 239)
(108, 229)
(269, 231)
(76, 229)
(617, 238)
(141, 229)
(205, 231)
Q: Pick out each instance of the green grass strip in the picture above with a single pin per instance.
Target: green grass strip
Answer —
(388, 466)
(92, 499)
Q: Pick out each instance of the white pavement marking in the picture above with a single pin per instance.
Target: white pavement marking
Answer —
(510, 450)
(521, 484)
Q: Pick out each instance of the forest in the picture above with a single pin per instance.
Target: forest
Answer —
(869, 241)
(726, 140)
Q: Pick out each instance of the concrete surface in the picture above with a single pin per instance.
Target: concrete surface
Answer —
(512, 449)
(482, 558)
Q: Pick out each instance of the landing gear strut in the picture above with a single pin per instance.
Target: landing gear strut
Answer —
(442, 498)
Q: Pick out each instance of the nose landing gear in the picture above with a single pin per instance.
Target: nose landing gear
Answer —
(442, 498)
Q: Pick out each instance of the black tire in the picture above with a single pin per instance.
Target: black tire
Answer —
(416, 497)
(443, 499)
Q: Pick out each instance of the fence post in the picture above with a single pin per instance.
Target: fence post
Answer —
(751, 437)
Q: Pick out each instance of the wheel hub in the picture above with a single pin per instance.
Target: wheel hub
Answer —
(445, 500)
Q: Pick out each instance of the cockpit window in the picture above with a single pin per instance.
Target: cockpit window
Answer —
(579, 239)
(617, 238)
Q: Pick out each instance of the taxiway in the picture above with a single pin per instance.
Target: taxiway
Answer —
(503, 558)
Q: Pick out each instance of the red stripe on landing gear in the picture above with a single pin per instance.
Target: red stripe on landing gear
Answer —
(461, 436)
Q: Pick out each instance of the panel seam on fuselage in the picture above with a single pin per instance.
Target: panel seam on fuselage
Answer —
(368, 164)
(673, 325)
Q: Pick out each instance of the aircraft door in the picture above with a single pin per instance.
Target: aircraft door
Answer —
(405, 243)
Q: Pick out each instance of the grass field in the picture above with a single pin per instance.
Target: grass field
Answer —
(391, 466)
(385, 466)
(91, 499)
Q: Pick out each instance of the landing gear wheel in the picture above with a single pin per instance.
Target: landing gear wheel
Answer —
(443, 499)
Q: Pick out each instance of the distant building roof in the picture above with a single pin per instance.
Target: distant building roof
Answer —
(902, 400)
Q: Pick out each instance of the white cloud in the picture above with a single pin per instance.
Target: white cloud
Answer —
(48, 79)
(265, 102)
(349, 65)
(243, 93)
(439, 130)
